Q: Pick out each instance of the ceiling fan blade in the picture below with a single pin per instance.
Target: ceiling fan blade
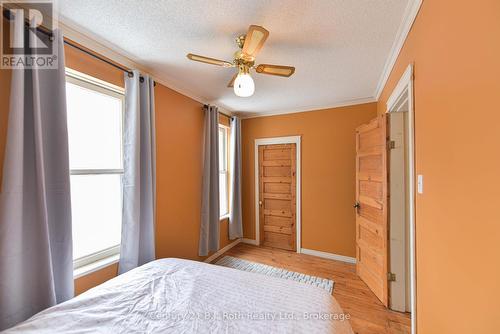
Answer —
(283, 71)
(231, 83)
(254, 40)
(208, 60)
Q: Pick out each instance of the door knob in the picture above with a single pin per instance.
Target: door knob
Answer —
(260, 203)
(356, 205)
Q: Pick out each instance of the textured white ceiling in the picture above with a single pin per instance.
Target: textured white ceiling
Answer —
(338, 47)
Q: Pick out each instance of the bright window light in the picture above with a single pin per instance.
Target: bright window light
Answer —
(94, 129)
(223, 171)
(95, 125)
(96, 209)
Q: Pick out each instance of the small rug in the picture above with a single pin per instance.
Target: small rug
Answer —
(253, 267)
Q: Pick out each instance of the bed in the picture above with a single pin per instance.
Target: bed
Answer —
(182, 296)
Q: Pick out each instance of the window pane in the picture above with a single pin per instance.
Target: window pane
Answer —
(94, 129)
(222, 149)
(97, 213)
(223, 194)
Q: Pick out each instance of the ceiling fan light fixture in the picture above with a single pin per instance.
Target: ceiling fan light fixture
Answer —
(244, 85)
(249, 46)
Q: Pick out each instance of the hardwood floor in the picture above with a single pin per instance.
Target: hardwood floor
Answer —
(368, 315)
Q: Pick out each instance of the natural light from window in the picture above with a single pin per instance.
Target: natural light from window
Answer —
(95, 118)
(223, 171)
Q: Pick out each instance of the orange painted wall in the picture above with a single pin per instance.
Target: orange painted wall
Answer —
(328, 172)
(84, 63)
(89, 281)
(179, 127)
(179, 133)
(455, 48)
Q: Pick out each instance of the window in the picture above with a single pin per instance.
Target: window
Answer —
(95, 125)
(224, 170)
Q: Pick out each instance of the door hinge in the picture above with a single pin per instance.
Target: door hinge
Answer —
(391, 144)
(391, 277)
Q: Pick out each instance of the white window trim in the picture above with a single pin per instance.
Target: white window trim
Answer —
(227, 172)
(79, 76)
(95, 266)
(98, 260)
(96, 171)
(97, 256)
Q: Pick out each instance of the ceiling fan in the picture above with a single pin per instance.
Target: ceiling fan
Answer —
(244, 59)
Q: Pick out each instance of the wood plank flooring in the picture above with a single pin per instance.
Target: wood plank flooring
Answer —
(368, 315)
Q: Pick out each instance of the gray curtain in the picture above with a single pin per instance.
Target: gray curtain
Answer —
(139, 179)
(209, 227)
(36, 254)
(235, 220)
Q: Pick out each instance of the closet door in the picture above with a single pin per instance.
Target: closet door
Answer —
(277, 189)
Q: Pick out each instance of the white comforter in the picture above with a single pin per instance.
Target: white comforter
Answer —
(181, 296)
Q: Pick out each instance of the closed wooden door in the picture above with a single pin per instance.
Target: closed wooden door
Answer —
(277, 196)
(371, 206)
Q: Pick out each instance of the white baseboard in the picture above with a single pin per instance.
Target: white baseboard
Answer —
(330, 256)
(249, 241)
(312, 252)
(222, 251)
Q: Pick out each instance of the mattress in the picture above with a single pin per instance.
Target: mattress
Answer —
(182, 296)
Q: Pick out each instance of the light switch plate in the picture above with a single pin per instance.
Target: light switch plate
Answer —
(420, 184)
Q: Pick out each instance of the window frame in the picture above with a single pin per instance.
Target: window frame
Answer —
(103, 87)
(226, 171)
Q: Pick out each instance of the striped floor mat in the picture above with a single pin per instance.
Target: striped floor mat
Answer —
(253, 267)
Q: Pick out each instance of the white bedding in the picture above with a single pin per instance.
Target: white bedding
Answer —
(181, 296)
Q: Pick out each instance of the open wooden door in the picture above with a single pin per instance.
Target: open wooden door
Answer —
(371, 206)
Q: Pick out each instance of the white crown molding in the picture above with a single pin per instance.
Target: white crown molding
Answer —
(330, 256)
(222, 251)
(222, 108)
(95, 43)
(402, 85)
(246, 115)
(409, 17)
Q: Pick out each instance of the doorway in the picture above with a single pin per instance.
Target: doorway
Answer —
(385, 201)
(399, 220)
(277, 192)
(400, 108)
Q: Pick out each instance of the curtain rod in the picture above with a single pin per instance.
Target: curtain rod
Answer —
(96, 56)
(220, 113)
(47, 32)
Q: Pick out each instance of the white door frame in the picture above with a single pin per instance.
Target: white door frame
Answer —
(272, 141)
(405, 85)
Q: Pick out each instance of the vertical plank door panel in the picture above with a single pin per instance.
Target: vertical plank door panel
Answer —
(371, 206)
(277, 191)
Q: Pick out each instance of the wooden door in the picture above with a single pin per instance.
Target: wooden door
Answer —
(277, 196)
(371, 206)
